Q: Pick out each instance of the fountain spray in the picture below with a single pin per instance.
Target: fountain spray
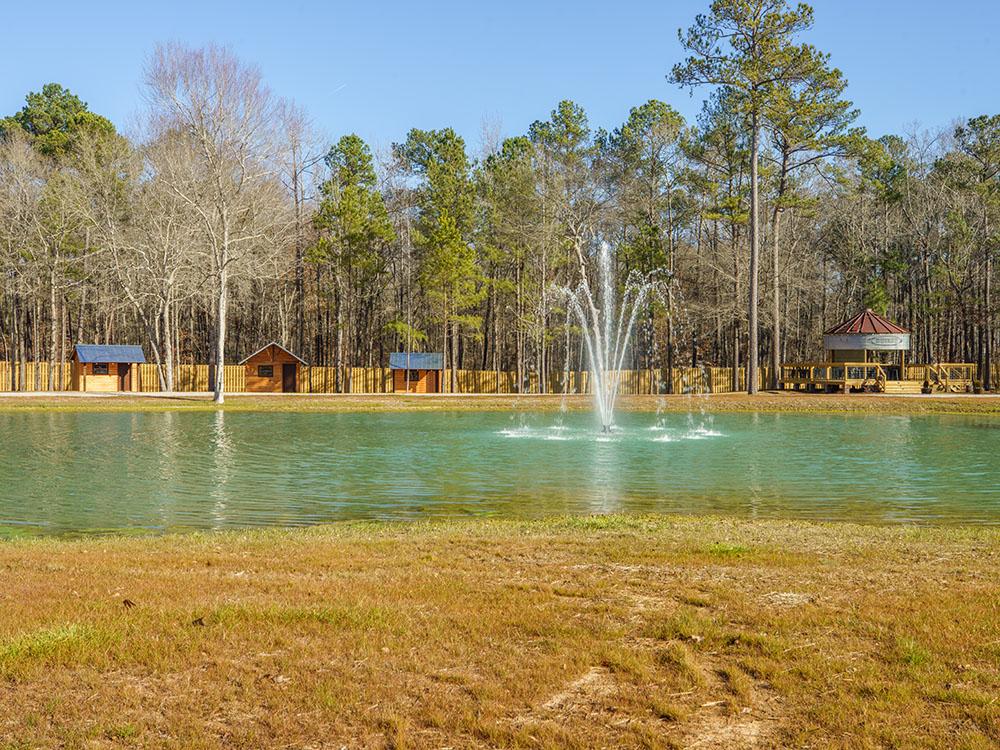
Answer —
(606, 325)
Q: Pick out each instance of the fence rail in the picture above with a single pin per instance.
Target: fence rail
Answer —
(946, 376)
(34, 376)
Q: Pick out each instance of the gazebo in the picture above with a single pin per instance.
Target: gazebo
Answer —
(852, 340)
(861, 355)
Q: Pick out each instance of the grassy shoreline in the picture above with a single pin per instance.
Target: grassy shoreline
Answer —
(623, 631)
(768, 402)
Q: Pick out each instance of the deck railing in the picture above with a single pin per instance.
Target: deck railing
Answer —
(946, 376)
(838, 373)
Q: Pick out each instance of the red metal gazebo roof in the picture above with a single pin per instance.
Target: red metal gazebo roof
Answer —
(867, 322)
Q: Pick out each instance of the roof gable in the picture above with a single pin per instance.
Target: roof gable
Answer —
(868, 321)
(108, 353)
(273, 343)
(416, 361)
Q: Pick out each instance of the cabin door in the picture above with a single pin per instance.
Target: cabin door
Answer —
(124, 377)
(288, 384)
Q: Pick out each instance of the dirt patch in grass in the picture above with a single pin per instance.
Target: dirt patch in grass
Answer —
(616, 631)
(596, 682)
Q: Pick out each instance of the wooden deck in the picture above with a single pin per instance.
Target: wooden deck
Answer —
(949, 377)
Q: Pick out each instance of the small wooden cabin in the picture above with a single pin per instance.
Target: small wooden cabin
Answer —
(273, 369)
(414, 372)
(106, 368)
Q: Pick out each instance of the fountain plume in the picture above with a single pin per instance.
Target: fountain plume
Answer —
(607, 323)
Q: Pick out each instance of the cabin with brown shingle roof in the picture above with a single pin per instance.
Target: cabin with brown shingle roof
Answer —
(273, 369)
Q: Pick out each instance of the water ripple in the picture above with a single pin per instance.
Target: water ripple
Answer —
(71, 473)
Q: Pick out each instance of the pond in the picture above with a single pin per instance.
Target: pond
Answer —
(67, 473)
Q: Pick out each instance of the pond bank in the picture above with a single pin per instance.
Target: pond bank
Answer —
(767, 402)
(625, 631)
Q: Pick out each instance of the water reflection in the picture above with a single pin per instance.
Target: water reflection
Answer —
(222, 462)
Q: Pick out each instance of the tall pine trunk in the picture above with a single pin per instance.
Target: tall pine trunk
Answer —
(776, 303)
(986, 376)
(754, 257)
(454, 357)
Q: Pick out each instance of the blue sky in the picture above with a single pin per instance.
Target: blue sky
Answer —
(380, 68)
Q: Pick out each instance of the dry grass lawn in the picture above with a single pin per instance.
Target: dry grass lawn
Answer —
(611, 632)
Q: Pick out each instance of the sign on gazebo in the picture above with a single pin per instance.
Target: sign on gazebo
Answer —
(867, 331)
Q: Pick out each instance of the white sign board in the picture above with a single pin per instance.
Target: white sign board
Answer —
(870, 341)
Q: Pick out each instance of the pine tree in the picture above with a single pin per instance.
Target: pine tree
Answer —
(449, 268)
(747, 46)
(354, 227)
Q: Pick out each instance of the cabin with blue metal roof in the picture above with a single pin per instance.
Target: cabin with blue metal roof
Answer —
(106, 368)
(416, 372)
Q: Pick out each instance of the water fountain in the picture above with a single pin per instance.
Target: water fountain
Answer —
(607, 324)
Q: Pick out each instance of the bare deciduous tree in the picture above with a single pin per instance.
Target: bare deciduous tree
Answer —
(228, 178)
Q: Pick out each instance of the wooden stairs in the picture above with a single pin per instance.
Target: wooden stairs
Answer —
(902, 386)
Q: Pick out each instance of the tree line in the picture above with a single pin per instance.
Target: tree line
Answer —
(224, 221)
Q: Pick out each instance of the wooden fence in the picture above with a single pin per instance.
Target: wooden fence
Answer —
(34, 376)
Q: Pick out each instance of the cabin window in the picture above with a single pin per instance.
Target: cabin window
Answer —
(100, 368)
(265, 371)
(414, 375)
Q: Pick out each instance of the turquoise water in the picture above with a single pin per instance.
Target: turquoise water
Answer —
(90, 472)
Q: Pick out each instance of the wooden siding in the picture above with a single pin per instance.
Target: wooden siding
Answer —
(426, 381)
(276, 357)
(84, 378)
